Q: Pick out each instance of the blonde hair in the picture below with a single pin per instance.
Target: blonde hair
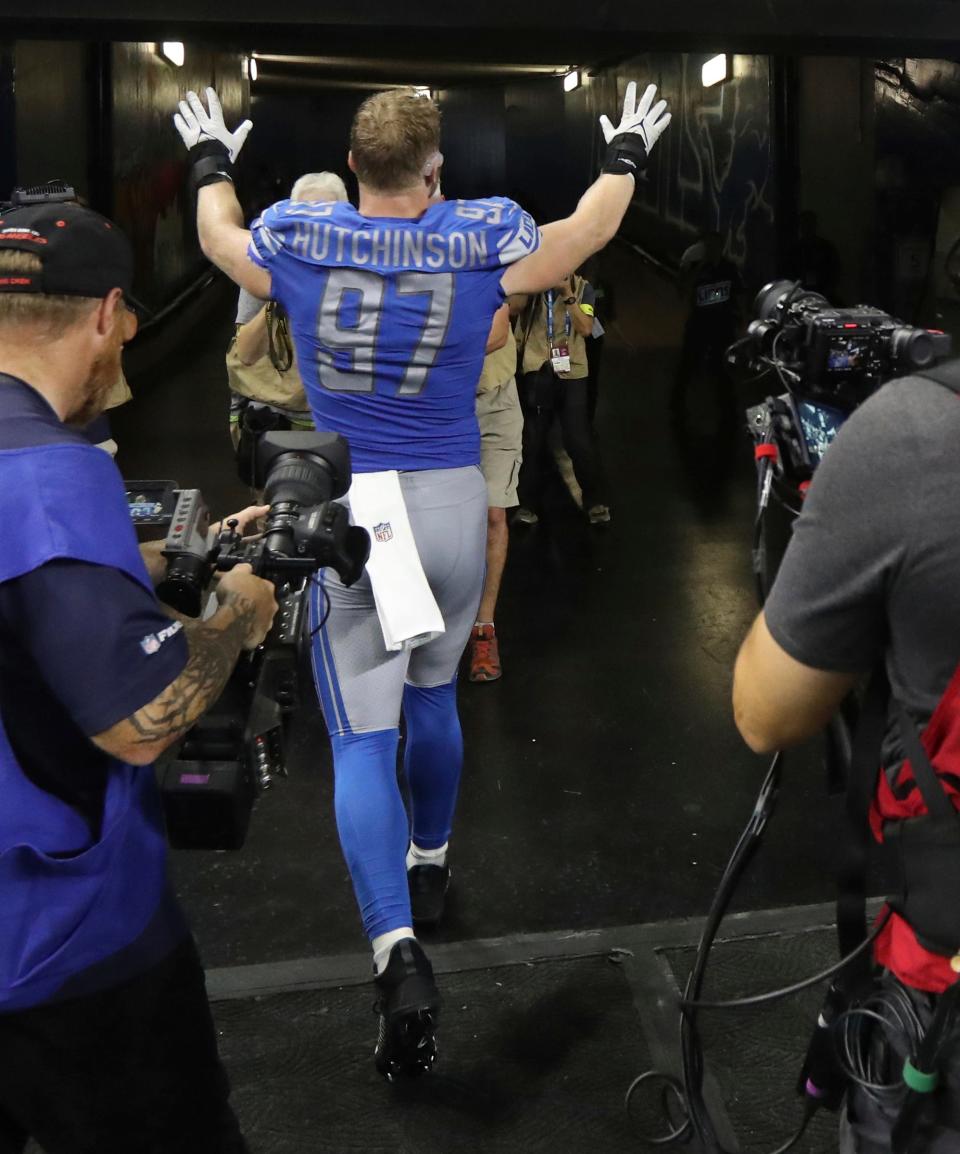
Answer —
(393, 136)
(51, 314)
(313, 186)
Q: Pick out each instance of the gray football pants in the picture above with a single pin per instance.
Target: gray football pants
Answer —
(359, 681)
(363, 687)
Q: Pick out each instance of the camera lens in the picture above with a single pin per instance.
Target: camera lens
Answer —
(912, 347)
(298, 478)
(770, 296)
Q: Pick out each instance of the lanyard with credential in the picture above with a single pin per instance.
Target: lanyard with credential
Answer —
(567, 325)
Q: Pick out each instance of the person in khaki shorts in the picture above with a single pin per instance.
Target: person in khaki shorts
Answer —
(501, 438)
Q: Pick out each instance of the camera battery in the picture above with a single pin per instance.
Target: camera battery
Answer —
(189, 526)
(207, 804)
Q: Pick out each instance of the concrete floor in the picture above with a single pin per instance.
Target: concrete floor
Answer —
(605, 783)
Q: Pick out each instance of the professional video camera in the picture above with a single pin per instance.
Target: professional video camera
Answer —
(829, 360)
(236, 749)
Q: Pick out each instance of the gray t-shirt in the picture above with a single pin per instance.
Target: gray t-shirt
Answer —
(248, 306)
(874, 564)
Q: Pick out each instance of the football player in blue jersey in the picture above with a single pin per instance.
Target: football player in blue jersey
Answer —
(390, 306)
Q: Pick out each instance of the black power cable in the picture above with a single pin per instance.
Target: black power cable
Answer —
(326, 597)
(797, 987)
(688, 1093)
(691, 1050)
(670, 1084)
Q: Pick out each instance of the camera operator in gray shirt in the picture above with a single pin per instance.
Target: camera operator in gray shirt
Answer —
(872, 574)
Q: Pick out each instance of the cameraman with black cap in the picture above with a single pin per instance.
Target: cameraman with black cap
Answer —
(106, 1038)
(870, 579)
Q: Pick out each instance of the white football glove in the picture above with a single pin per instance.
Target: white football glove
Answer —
(194, 124)
(646, 119)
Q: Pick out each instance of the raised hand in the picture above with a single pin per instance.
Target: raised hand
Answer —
(641, 126)
(647, 119)
(195, 123)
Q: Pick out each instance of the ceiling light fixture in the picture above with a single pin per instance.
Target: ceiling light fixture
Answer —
(571, 81)
(173, 51)
(715, 70)
(253, 69)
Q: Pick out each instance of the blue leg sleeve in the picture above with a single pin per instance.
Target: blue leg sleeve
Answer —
(432, 760)
(372, 823)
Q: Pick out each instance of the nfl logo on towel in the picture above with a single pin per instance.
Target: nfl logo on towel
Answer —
(383, 532)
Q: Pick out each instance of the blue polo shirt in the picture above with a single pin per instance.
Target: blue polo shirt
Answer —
(78, 653)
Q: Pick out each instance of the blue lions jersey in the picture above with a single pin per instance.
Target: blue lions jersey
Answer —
(390, 319)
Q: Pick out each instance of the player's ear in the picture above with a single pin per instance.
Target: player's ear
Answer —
(350, 162)
(432, 180)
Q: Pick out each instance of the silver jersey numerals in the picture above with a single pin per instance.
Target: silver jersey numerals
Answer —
(347, 352)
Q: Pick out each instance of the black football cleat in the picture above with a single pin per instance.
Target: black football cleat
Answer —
(428, 886)
(408, 1005)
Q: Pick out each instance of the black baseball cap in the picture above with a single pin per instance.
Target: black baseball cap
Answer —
(81, 252)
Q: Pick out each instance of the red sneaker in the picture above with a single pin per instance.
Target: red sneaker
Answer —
(484, 654)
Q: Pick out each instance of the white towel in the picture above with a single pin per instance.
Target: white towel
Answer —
(408, 612)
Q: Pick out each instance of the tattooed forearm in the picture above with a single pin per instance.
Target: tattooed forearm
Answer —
(213, 654)
(214, 646)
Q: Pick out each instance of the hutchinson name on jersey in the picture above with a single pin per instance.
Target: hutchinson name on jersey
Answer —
(390, 319)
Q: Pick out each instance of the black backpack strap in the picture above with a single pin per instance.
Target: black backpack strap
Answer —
(947, 374)
(931, 788)
(861, 786)
(526, 326)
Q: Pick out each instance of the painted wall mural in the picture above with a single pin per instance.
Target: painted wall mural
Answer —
(151, 199)
(714, 168)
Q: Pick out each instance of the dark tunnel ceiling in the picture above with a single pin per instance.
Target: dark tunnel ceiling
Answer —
(439, 42)
(296, 71)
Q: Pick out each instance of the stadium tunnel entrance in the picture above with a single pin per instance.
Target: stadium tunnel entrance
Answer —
(605, 782)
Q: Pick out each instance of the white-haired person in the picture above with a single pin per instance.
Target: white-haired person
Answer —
(265, 387)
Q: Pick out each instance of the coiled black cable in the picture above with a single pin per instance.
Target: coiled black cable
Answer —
(864, 1035)
(688, 1093)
